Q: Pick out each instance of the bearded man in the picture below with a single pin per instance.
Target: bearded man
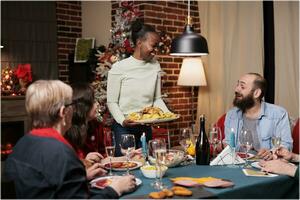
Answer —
(264, 120)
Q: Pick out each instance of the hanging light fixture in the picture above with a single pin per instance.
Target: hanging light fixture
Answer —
(189, 43)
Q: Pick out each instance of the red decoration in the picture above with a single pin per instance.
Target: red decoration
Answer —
(24, 72)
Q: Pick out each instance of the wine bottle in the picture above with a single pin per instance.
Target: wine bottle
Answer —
(202, 145)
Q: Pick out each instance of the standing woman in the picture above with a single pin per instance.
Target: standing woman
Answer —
(43, 164)
(135, 83)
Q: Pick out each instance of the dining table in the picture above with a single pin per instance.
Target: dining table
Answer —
(245, 187)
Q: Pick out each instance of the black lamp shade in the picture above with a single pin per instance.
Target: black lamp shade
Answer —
(189, 44)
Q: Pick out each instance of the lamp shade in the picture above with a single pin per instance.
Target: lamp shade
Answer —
(192, 73)
(189, 44)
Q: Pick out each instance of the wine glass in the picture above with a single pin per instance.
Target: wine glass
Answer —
(127, 146)
(246, 142)
(185, 140)
(158, 150)
(215, 137)
(110, 147)
(276, 141)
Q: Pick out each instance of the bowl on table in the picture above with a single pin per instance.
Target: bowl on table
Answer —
(173, 158)
(149, 171)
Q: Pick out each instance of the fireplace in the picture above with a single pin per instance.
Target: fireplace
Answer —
(14, 123)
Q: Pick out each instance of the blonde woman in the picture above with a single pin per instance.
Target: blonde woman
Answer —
(44, 164)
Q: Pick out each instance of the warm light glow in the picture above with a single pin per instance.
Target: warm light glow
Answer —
(192, 73)
(1, 46)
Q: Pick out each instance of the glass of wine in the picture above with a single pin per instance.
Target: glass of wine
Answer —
(246, 142)
(215, 138)
(127, 146)
(158, 150)
(185, 140)
(110, 146)
(276, 141)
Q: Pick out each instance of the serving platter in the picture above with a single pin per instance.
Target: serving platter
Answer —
(153, 121)
(102, 182)
(122, 165)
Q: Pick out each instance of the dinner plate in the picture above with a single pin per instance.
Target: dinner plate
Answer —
(121, 165)
(152, 121)
(105, 181)
(256, 165)
(243, 155)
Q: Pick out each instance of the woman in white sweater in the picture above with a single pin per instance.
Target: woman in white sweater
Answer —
(134, 83)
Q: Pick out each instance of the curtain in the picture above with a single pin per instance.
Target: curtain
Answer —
(286, 25)
(28, 34)
(234, 32)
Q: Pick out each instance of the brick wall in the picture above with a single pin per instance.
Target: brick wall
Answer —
(170, 16)
(69, 28)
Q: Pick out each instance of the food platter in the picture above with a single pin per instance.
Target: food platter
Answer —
(122, 165)
(152, 121)
(105, 181)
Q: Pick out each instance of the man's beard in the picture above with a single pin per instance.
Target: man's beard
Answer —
(244, 103)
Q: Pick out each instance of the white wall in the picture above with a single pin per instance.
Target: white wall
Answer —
(96, 21)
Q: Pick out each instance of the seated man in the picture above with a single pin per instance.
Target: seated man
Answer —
(263, 119)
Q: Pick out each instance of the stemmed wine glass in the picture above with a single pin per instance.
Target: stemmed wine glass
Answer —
(127, 147)
(215, 137)
(158, 150)
(185, 140)
(246, 142)
(110, 147)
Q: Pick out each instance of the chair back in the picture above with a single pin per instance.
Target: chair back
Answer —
(295, 136)
(158, 132)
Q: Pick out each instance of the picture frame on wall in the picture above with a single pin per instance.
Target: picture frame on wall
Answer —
(82, 48)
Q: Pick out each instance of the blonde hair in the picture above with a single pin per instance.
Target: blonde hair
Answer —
(44, 98)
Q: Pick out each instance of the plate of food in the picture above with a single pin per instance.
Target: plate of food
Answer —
(243, 155)
(151, 115)
(122, 165)
(105, 181)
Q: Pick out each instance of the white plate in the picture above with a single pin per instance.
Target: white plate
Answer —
(94, 181)
(256, 165)
(107, 164)
(152, 121)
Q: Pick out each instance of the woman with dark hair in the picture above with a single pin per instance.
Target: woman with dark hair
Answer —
(135, 83)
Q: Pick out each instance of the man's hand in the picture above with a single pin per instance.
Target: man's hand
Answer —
(129, 123)
(265, 154)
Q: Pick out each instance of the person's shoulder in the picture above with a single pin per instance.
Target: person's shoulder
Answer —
(232, 112)
(274, 110)
(120, 66)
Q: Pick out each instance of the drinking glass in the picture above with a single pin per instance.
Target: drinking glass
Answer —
(158, 150)
(127, 146)
(246, 142)
(110, 147)
(215, 136)
(185, 140)
(276, 141)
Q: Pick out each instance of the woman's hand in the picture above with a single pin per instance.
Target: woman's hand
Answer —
(123, 184)
(129, 123)
(94, 157)
(278, 167)
(95, 170)
(284, 153)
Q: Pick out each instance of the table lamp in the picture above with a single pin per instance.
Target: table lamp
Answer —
(192, 74)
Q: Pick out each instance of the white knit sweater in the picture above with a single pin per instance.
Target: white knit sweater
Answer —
(132, 85)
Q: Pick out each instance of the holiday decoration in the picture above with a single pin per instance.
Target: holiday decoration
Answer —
(9, 82)
(23, 73)
(15, 82)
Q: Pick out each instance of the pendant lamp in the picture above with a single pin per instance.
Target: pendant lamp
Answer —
(189, 43)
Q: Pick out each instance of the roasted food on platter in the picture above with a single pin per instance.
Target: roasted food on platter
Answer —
(150, 113)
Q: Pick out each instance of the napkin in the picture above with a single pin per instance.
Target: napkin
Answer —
(225, 158)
